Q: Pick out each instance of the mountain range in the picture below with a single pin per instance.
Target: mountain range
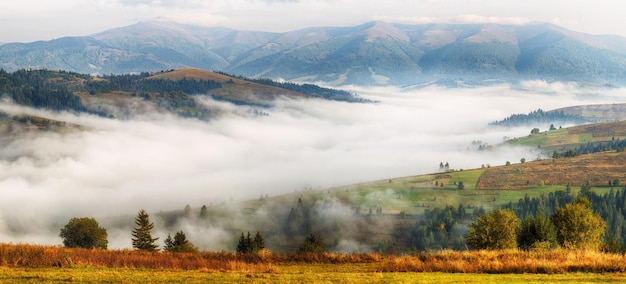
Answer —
(374, 53)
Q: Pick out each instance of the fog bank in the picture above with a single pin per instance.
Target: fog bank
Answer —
(161, 163)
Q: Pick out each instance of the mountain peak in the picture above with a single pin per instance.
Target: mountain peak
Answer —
(492, 33)
(379, 29)
(156, 28)
(368, 54)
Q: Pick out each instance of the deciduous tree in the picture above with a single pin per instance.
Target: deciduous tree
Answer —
(494, 230)
(577, 227)
(84, 233)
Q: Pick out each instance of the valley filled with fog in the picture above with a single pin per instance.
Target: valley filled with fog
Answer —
(161, 163)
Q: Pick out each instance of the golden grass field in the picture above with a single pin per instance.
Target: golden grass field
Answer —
(597, 169)
(31, 263)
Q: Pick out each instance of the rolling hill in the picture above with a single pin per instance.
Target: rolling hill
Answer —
(172, 91)
(374, 53)
(424, 212)
(581, 138)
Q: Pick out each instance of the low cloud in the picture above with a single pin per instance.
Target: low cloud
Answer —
(161, 163)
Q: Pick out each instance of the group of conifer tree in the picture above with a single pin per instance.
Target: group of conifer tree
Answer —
(142, 237)
(247, 244)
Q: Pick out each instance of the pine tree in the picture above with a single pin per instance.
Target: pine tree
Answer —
(258, 243)
(241, 245)
(142, 238)
(245, 244)
(204, 212)
(179, 243)
(313, 244)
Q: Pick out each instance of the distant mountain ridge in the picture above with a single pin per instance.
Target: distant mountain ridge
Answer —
(374, 53)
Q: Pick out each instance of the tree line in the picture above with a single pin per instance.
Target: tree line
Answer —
(139, 83)
(610, 207)
(85, 232)
(618, 145)
(539, 116)
(573, 226)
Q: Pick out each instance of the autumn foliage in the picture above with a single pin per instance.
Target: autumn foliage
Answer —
(500, 261)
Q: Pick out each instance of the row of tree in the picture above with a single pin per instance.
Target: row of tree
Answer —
(611, 206)
(592, 147)
(248, 245)
(540, 116)
(86, 233)
(573, 226)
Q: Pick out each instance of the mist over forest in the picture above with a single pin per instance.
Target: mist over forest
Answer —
(114, 168)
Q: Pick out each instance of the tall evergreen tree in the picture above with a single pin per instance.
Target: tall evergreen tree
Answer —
(142, 237)
(245, 244)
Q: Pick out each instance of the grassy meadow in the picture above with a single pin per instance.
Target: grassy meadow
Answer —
(28, 263)
(571, 137)
(489, 187)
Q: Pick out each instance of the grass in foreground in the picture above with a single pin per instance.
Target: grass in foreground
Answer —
(287, 274)
(30, 263)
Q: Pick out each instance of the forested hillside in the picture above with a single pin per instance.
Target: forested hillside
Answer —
(165, 91)
(39, 88)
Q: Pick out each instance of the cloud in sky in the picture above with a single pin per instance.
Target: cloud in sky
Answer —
(118, 167)
(30, 20)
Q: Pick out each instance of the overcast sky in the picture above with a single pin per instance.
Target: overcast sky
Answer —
(30, 20)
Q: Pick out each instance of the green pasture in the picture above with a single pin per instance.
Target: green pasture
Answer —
(415, 194)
